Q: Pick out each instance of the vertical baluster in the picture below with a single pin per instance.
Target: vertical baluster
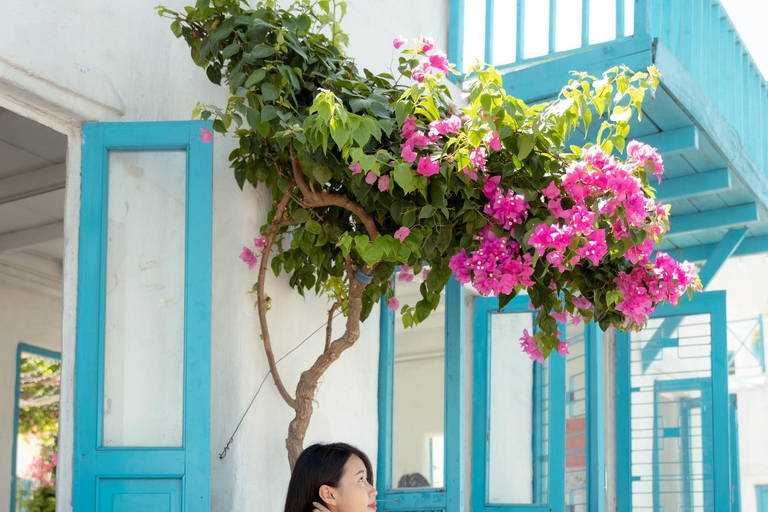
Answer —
(520, 36)
(654, 17)
(552, 26)
(456, 33)
(706, 55)
(744, 92)
(584, 23)
(764, 125)
(620, 19)
(738, 75)
(696, 41)
(489, 31)
(642, 18)
(723, 84)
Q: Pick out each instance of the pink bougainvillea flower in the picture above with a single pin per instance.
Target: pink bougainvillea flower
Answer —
(356, 168)
(421, 71)
(492, 139)
(393, 304)
(581, 303)
(640, 153)
(405, 276)
(427, 167)
(407, 153)
(371, 178)
(260, 242)
(402, 233)
(398, 42)
(439, 61)
(206, 135)
(552, 192)
(408, 127)
(248, 257)
(470, 172)
(530, 347)
(562, 348)
(425, 273)
(384, 183)
(424, 44)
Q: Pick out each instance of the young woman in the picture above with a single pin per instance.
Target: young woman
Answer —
(332, 477)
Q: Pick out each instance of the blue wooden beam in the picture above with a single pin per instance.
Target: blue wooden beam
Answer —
(489, 31)
(694, 185)
(673, 142)
(724, 249)
(754, 245)
(736, 216)
(722, 252)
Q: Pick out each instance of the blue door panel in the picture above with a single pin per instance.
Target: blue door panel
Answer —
(172, 479)
(156, 495)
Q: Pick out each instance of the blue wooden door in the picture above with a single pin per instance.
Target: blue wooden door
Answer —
(762, 498)
(518, 417)
(672, 414)
(142, 387)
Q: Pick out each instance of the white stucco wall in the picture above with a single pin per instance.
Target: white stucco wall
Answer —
(118, 61)
(26, 317)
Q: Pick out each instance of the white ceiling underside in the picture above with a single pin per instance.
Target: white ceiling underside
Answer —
(32, 175)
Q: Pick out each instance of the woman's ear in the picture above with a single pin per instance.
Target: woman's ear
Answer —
(328, 494)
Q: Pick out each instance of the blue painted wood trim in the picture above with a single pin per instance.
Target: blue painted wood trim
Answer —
(556, 483)
(30, 349)
(386, 379)
(620, 19)
(623, 423)
(454, 396)
(721, 463)
(552, 26)
(593, 346)
(695, 185)
(735, 456)
(484, 307)
(193, 459)
(456, 36)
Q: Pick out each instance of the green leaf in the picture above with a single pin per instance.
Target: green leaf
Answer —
(300, 216)
(313, 227)
(322, 174)
(268, 113)
(427, 211)
(230, 50)
(404, 177)
(270, 92)
(255, 78)
(525, 146)
(260, 51)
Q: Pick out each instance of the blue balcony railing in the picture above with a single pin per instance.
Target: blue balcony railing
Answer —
(516, 34)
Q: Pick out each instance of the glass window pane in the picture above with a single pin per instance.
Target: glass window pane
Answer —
(518, 418)
(536, 37)
(474, 32)
(144, 323)
(418, 400)
(576, 420)
(504, 32)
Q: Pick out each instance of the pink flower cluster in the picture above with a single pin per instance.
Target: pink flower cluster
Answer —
(649, 284)
(496, 267)
(506, 208)
(530, 346)
(248, 256)
(42, 469)
(639, 153)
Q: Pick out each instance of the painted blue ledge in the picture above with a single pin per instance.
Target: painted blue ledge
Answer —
(29, 349)
(673, 142)
(735, 216)
(695, 185)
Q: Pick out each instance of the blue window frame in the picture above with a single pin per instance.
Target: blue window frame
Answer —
(172, 476)
(762, 498)
(23, 348)
(450, 497)
(672, 409)
(548, 422)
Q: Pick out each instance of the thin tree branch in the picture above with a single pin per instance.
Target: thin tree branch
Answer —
(262, 301)
(325, 198)
(329, 325)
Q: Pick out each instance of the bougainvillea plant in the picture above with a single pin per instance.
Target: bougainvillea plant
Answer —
(372, 171)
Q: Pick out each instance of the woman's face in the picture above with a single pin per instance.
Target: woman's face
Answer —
(354, 493)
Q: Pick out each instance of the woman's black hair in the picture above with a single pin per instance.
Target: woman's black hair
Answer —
(318, 465)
